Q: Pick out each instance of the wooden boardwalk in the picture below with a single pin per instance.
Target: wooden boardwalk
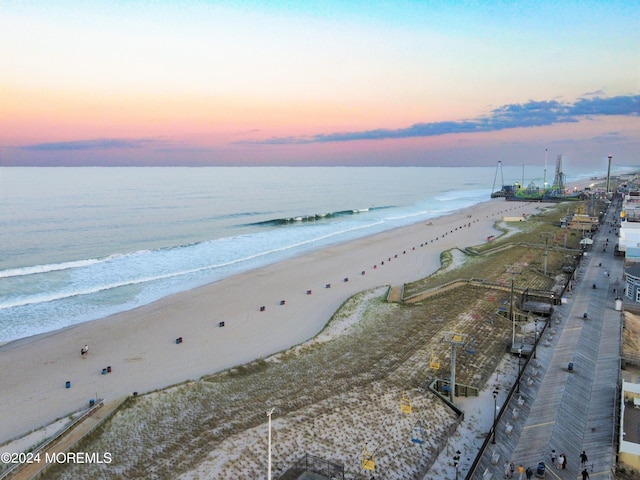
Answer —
(562, 410)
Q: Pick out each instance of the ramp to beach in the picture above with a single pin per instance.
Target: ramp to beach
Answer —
(65, 442)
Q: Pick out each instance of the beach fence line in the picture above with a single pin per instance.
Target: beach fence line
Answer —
(114, 407)
(478, 282)
(312, 463)
(67, 430)
(58, 435)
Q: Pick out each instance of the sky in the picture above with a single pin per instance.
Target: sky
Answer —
(294, 82)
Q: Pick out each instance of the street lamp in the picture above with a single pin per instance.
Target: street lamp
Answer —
(519, 368)
(269, 413)
(456, 462)
(535, 340)
(513, 323)
(495, 408)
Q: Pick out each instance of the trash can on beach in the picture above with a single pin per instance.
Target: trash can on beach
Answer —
(570, 367)
(67, 384)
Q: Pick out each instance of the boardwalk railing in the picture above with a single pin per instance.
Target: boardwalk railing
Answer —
(503, 410)
(57, 436)
(311, 463)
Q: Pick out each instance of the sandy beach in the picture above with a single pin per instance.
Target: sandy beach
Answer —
(140, 345)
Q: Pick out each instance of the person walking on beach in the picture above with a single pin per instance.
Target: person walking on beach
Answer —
(84, 350)
(583, 459)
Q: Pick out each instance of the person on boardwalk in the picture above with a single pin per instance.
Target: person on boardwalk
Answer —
(553, 456)
(585, 474)
(506, 470)
(564, 461)
(529, 473)
(512, 469)
(520, 472)
(583, 459)
(560, 465)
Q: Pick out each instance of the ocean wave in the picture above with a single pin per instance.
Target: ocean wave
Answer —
(53, 267)
(71, 293)
(36, 299)
(314, 217)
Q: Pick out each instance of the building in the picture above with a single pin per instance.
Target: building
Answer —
(584, 223)
(632, 278)
(629, 450)
(629, 236)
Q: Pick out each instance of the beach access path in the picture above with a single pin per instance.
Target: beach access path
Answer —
(570, 411)
(140, 345)
(65, 442)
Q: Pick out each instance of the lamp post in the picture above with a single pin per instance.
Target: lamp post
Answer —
(456, 462)
(495, 408)
(535, 340)
(519, 368)
(513, 324)
(269, 413)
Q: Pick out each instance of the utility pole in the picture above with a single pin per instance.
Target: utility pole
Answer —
(546, 236)
(609, 174)
(513, 270)
(495, 409)
(544, 181)
(456, 339)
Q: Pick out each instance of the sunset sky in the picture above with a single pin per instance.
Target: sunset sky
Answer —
(319, 82)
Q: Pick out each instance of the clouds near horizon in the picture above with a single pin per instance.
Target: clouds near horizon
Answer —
(92, 144)
(523, 115)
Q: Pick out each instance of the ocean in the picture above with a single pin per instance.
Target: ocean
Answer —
(77, 244)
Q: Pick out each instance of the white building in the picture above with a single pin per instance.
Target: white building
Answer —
(629, 235)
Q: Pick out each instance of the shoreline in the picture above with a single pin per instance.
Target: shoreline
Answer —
(140, 344)
(5, 344)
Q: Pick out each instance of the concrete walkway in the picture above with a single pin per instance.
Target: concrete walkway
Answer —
(569, 411)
